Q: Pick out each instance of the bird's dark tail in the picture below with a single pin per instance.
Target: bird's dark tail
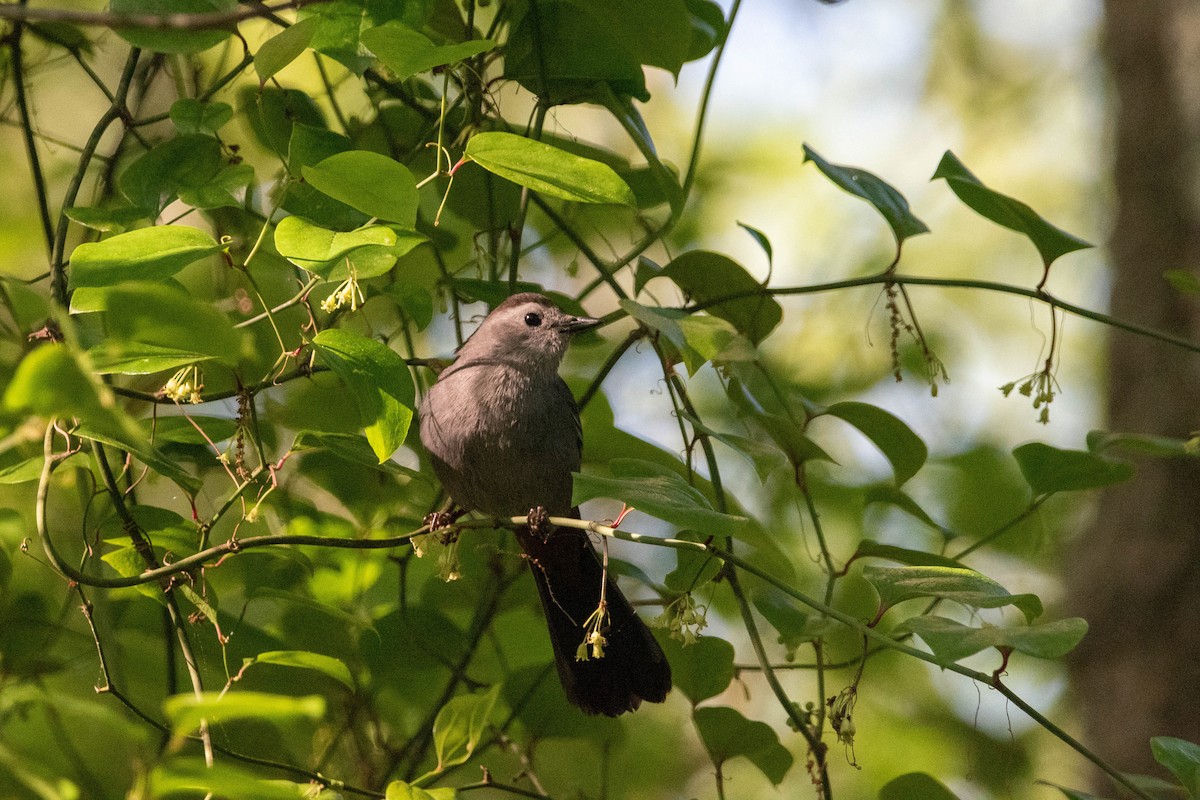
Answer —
(633, 667)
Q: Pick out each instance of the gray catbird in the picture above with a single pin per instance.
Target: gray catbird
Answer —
(503, 433)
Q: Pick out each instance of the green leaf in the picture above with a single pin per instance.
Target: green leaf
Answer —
(1149, 444)
(656, 34)
(1184, 281)
(895, 497)
(460, 725)
(763, 457)
(727, 734)
(794, 625)
(659, 492)
(176, 167)
(379, 381)
(134, 441)
(708, 26)
(137, 358)
(565, 53)
(879, 193)
(715, 339)
(406, 52)
(30, 469)
(303, 659)
(349, 447)
(951, 641)
(147, 254)
(320, 250)
(162, 40)
(707, 277)
(1048, 469)
(666, 322)
(760, 239)
(1050, 241)
(790, 438)
(548, 170)
(868, 548)
(915, 786)
(226, 189)
(966, 586)
(193, 778)
(692, 567)
(903, 448)
(700, 670)
(185, 712)
(283, 48)
(1182, 758)
(117, 219)
(402, 790)
(162, 316)
(195, 116)
(372, 183)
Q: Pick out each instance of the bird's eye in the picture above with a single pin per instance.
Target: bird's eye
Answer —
(533, 319)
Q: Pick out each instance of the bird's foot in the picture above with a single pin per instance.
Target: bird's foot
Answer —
(538, 525)
(436, 520)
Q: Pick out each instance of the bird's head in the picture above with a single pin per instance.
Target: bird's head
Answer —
(526, 329)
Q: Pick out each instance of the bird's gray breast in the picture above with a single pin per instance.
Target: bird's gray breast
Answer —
(502, 441)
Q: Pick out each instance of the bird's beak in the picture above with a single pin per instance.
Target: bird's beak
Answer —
(577, 324)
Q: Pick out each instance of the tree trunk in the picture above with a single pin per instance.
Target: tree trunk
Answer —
(1135, 575)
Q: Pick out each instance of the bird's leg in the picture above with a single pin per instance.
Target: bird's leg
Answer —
(436, 520)
(537, 523)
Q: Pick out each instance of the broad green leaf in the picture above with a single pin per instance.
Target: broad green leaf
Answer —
(349, 447)
(1050, 241)
(273, 114)
(402, 790)
(794, 625)
(29, 469)
(181, 430)
(1182, 758)
(406, 52)
(715, 339)
(879, 193)
(195, 116)
(460, 725)
(193, 778)
(117, 219)
(340, 26)
(951, 641)
(760, 239)
(966, 586)
(147, 254)
(62, 34)
(764, 458)
(185, 712)
(727, 734)
(659, 492)
(1184, 281)
(705, 276)
(868, 548)
(895, 497)
(903, 448)
(700, 670)
(283, 48)
(111, 357)
(379, 381)
(708, 27)
(372, 183)
(915, 786)
(303, 659)
(320, 250)
(692, 567)
(168, 40)
(1149, 444)
(134, 441)
(564, 53)
(226, 189)
(656, 34)
(1049, 469)
(172, 169)
(548, 170)
(36, 779)
(666, 322)
(164, 317)
(790, 438)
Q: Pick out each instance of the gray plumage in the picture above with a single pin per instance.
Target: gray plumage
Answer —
(503, 434)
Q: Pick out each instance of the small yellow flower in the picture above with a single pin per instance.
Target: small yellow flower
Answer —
(184, 386)
(346, 293)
